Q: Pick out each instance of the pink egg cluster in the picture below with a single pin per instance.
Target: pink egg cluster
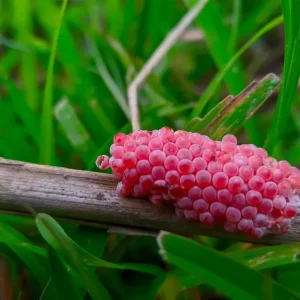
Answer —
(215, 182)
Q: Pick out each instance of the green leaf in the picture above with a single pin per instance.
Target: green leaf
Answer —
(237, 9)
(34, 257)
(74, 130)
(144, 268)
(200, 124)
(21, 223)
(217, 36)
(93, 240)
(232, 113)
(107, 78)
(63, 283)
(217, 80)
(8, 61)
(259, 14)
(268, 257)
(47, 140)
(14, 135)
(80, 84)
(291, 72)
(66, 248)
(25, 113)
(23, 23)
(13, 44)
(76, 256)
(259, 259)
(221, 272)
(289, 276)
(114, 9)
(92, 260)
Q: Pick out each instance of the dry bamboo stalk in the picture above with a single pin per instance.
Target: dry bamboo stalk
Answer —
(90, 198)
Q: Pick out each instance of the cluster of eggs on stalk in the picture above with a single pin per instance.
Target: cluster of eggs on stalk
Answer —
(213, 182)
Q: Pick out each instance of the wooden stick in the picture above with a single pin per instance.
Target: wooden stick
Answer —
(172, 37)
(90, 198)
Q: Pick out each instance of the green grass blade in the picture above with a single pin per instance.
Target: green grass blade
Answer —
(47, 136)
(92, 240)
(74, 130)
(107, 78)
(289, 276)
(64, 246)
(115, 15)
(91, 260)
(230, 114)
(259, 259)
(13, 44)
(217, 36)
(107, 125)
(291, 72)
(82, 86)
(118, 48)
(258, 16)
(24, 29)
(8, 61)
(200, 124)
(24, 112)
(233, 40)
(63, 283)
(143, 268)
(34, 257)
(15, 136)
(268, 257)
(215, 83)
(221, 272)
(20, 223)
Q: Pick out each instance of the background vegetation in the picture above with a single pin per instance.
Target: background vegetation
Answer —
(64, 71)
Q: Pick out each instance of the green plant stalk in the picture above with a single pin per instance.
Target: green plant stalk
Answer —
(215, 83)
(217, 35)
(237, 5)
(23, 27)
(291, 72)
(47, 138)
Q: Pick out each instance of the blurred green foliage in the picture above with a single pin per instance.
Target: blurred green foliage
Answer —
(62, 103)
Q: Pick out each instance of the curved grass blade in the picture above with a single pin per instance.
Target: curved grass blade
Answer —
(21, 108)
(258, 259)
(62, 281)
(289, 276)
(34, 257)
(8, 61)
(23, 23)
(230, 114)
(65, 247)
(259, 15)
(93, 240)
(268, 257)
(213, 268)
(20, 223)
(140, 267)
(47, 138)
(291, 72)
(73, 64)
(211, 22)
(14, 137)
(74, 130)
(107, 78)
(13, 44)
(215, 83)
(91, 260)
(233, 40)
(200, 124)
